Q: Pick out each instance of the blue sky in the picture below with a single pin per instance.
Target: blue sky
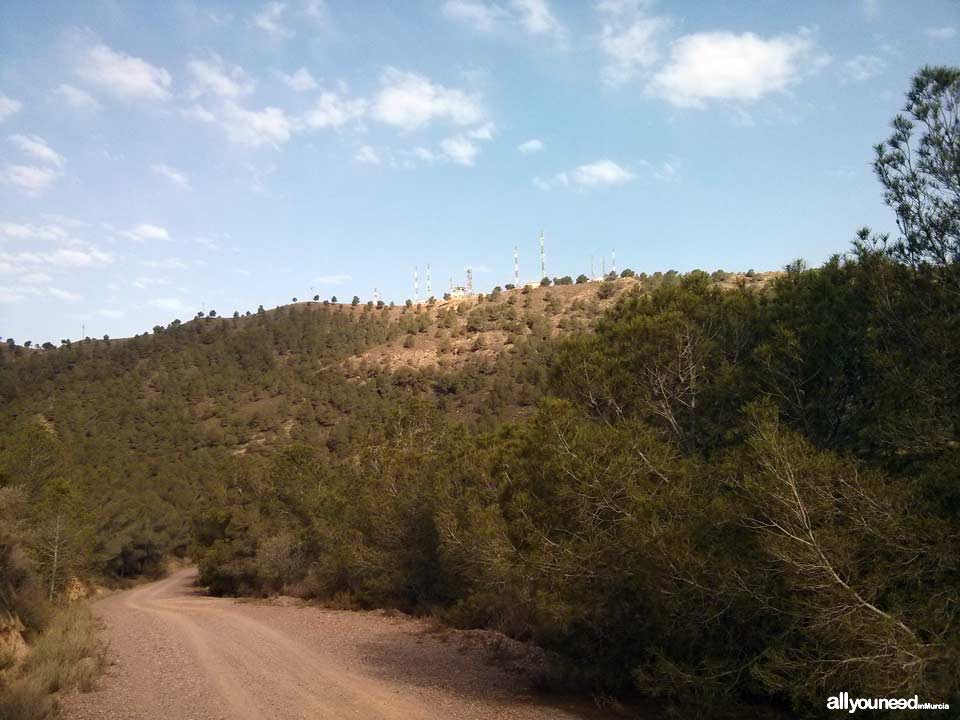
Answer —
(160, 158)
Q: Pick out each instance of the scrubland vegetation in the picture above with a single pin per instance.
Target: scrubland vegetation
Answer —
(710, 492)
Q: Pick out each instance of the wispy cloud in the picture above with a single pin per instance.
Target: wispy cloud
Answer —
(533, 17)
(410, 101)
(33, 180)
(146, 231)
(861, 67)
(533, 145)
(602, 173)
(75, 97)
(482, 16)
(300, 81)
(941, 33)
(177, 177)
(125, 76)
(213, 76)
(269, 17)
(8, 107)
(170, 303)
(332, 110)
(366, 155)
(630, 37)
(37, 147)
(339, 279)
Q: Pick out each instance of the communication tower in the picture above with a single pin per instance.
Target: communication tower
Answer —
(516, 267)
(543, 258)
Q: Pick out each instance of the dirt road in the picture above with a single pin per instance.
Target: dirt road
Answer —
(181, 655)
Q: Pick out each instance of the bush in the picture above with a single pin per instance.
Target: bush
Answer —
(70, 655)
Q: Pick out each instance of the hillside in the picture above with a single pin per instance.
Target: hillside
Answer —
(603, 469)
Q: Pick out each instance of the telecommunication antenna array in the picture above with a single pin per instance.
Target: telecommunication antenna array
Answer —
(543, 258)
(469, 280)
(416, 284)
(429, 285)
(516, 267)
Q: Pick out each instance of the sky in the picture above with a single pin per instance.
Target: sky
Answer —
(159, 159)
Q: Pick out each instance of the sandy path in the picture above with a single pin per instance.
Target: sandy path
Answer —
(179, 654)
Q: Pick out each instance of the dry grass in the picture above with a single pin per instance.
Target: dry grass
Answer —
(69, 655)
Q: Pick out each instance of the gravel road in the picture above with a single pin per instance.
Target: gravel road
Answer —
(179, 654)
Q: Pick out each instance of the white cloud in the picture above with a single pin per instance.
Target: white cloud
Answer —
(332, 111)
(144, 282)
(215, 77)
(460, 150)
(317, 10)
(726, 66)
(630, 38)
(124, 75)
(366, 155)
(537, 18)
(602, 173)
(72, 258)
(268, 20)
(534, 17)
(173, 304)
(63, 295)
(300, 81)
(146, 231)
(936, 33)
(19, 231)
(479, 15)
(531, 146)
(332, 279)
(482, 132)
(410, 101)
(31, 179)
(666, 171)
(36, 278)
(198, 113)
(861, 67)
(425, 154)
(8, 107)
(37, 147)
(75, 97)
(172, 263)
(112, 314)
(255, 128)
(177, 177)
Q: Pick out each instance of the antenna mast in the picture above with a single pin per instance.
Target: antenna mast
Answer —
(429, 286)
(469, 280)
(516, 267)
(416, 284)
(543, 258)
(613, 254)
